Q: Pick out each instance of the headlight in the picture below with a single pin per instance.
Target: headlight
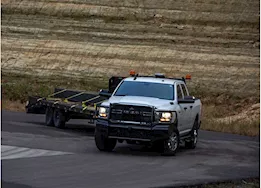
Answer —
(165, 116)
(103, 112)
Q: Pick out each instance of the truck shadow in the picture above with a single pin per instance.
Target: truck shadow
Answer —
(140, 150)
(81, 129)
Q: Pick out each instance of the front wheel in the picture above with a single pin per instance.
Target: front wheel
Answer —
(171, 145)
(104, 143)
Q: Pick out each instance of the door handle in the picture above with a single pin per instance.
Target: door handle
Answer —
(185, 108)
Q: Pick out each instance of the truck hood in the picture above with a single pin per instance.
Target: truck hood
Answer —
(137, 100)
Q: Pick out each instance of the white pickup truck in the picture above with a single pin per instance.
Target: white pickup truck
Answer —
(152, 110)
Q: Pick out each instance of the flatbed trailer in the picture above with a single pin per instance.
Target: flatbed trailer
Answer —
(65, 104)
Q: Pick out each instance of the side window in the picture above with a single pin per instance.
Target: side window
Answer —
(179, 92)
(185, 92)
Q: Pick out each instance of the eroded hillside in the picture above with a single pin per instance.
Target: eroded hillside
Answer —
(217, 41)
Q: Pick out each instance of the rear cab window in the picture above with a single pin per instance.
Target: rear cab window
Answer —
(179, 92)
(184, 89)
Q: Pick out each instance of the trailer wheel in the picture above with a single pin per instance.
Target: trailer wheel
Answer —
(49, 117)
(59, 119)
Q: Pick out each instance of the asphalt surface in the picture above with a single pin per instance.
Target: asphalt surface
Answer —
(34, 155)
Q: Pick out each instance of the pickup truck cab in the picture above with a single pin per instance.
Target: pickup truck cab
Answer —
(150, 110)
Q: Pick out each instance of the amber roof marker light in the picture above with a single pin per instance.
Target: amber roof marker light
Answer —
(132, 73)
(188, 77)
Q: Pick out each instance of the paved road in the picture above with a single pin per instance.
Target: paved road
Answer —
(34, 155)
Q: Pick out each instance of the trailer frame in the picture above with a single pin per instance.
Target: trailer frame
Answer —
(71, 104)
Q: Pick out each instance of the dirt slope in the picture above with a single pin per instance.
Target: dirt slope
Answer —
(217, 41)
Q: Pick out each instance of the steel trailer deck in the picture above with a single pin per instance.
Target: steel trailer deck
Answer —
(76, 104)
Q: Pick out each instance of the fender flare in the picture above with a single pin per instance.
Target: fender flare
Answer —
(198, 121)
(173, 127)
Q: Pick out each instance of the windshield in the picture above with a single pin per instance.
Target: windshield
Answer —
(146, 89)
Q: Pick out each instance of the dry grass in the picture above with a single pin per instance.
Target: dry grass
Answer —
(15, 106)
(17, 87)
(234, 116)
(216, 42)
(244, 127)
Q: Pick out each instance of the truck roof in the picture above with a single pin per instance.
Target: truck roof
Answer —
(153, 80)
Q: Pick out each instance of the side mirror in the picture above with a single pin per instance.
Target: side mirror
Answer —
(105, 93)
(187, 99)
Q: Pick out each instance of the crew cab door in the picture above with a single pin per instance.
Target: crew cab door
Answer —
(190, 106)
(182, 112)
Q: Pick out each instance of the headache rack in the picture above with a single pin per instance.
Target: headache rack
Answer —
(159, 75)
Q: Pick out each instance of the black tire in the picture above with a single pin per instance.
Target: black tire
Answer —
(158, 146)
(49, 117)
(192, 143)
(104, 143)
(171, 145)
(59, 119)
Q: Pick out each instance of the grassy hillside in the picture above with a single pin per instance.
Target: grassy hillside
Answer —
(216, 41)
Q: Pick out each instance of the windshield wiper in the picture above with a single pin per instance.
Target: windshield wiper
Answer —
(120, 95)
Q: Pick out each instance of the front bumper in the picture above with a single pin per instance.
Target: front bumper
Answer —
(133, 132)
